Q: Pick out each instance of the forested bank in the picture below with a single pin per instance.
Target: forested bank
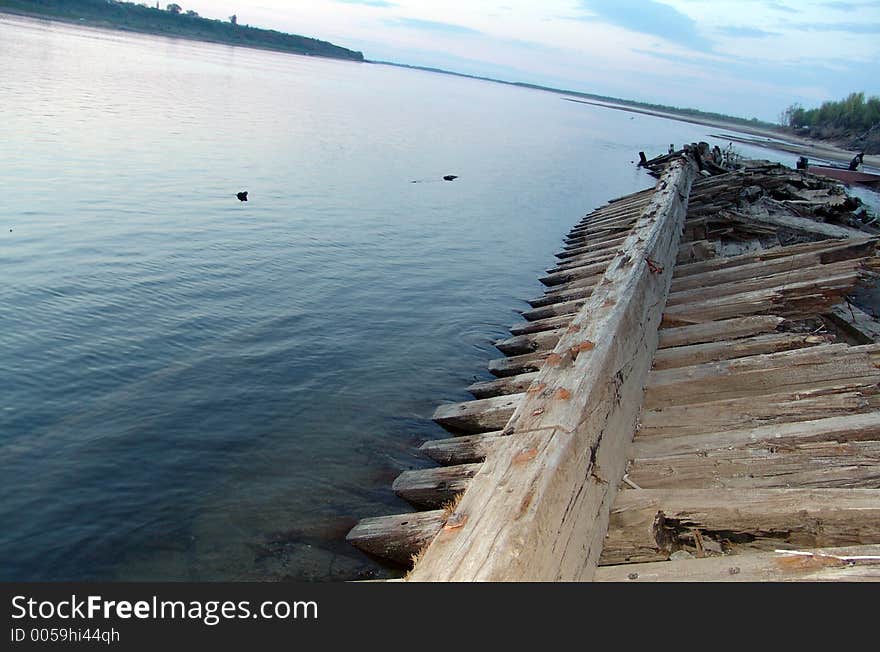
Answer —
(853, 122)
(173, 20)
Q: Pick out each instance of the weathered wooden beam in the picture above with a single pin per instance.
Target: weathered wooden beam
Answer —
(461, 450)
(805, 225)
(816, 275)
(848, 427)
(796, 299)
(537, 508)
(539, 325)
(472, 417)
(830, 247)
(571, 294)
(554, 310)
(575, 273)
(844, 564)
(503, 386)
(793, 265)
(610, 245)
(542, 341)
(815, 464)
(683, 356)
(764, 409)
(517, 364)
(578, 262)
(398, 537)
(434, 487)
(651, 524)
(713, 331)
(761, 374)
(855, 322)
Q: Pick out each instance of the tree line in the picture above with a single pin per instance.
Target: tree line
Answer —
(855, 113)
(174, 21)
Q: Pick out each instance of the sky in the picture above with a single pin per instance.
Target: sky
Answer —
(747, 58)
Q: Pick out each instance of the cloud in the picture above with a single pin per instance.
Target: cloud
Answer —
(851, 28)
(840, 6)
(431, 26)
(649, 17)
(779, 6)
(746, 32)
(369, 3)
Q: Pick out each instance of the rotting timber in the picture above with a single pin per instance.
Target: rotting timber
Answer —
(693, 398)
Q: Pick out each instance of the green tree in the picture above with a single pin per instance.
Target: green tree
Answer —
(174, 8)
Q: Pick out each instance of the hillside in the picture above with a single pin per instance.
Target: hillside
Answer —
(174, 21)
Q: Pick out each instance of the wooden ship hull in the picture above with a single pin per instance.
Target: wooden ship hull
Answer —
(847, 176)
(692, 398)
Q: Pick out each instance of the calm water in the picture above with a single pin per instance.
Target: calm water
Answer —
(195, 388)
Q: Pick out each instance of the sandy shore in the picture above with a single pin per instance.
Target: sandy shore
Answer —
(764, 137)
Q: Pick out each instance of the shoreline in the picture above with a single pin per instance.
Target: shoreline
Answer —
(775, 139)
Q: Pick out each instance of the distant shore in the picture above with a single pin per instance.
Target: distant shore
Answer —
(778, 140)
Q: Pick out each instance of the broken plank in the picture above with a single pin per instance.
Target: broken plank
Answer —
(843, 564)
(651, 524)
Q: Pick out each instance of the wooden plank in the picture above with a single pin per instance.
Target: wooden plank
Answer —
(651, 524)
(434, 487)
(471, 417)
(583, 291)
(542, 341)
(398, 537)
(503, 386)
(861, 326)
(764, 409)
(537, 508)
(461, 450)
(591, 247)
(517, 364)
(578, 262)
(539, 325)
(778, 252)
(554, 310)
(844, 564)
(820, 464)
(574, 273)
(713, 331)
(760, 280)
(683, 356)
(755, 375)
(802, 224)
(848, 427)
(798, 299)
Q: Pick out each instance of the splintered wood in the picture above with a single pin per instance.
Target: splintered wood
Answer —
(691, 399)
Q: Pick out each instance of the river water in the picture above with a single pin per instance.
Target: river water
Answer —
(198, 388)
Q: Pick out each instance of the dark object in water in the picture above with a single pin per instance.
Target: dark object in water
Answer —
(450, 177)
(242, 196)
